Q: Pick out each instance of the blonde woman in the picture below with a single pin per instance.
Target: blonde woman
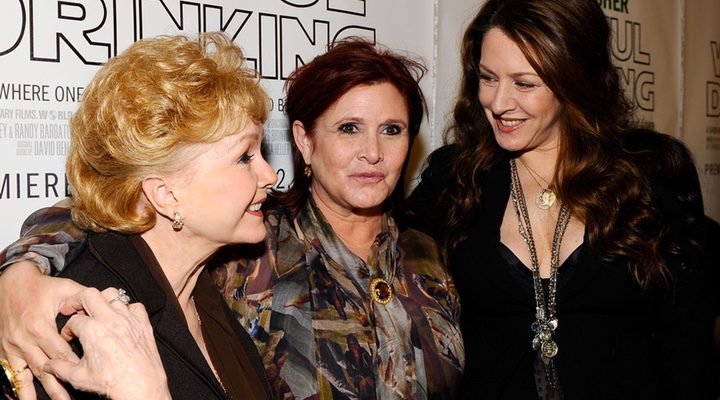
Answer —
(166, 168)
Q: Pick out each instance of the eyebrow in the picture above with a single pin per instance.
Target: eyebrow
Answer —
(243, 138)
(362, 120)
(514, 74)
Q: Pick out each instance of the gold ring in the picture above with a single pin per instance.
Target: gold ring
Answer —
(11, 375)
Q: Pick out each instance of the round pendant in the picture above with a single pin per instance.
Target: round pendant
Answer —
(380, 291)
(549, 349)
(545, 199)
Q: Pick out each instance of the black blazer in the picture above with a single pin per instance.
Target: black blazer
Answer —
(115, 260)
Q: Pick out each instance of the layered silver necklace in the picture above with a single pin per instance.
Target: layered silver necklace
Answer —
(545, 314)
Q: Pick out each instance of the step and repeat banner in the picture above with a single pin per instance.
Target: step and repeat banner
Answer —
(49, 50)
(701, 99)
(646, 46)
(668, 54)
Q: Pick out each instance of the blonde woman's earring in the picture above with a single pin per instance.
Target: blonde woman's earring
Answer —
(178, 221)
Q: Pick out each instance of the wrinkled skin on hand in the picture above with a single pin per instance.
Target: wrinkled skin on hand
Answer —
(121, 359)
(29, 304)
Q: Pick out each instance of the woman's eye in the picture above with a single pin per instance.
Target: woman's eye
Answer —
(486, 78)
(348, 128)
(525, 85)
(392, 130)
(245, 159)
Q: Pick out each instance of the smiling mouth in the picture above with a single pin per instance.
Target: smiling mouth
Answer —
(255, 208)
(508, 125)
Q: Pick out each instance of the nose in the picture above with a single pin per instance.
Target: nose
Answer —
(372, 150)
(266, 174)
(503, 99)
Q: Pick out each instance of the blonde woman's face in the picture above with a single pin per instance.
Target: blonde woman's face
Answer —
(226, 185)
(521, 109)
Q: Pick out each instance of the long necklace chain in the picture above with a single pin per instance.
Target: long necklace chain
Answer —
(212, 367)
(545, 314)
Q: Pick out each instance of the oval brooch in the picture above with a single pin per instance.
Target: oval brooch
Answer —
(380, 291)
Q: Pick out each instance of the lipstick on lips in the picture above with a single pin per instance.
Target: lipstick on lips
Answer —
(256, 208)
(368, 177)
(507, 125)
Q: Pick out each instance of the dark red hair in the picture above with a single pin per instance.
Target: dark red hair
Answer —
(314, 87)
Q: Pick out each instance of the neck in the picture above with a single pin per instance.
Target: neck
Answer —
(180, 257)
(356, 229)
(541, 162)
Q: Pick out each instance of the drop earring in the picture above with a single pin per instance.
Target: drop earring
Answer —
(178, 221)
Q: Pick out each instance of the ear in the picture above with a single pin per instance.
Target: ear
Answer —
(160, 195)
(302, 141)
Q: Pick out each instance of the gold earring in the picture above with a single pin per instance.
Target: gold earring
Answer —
(178, 221)
(308, 171)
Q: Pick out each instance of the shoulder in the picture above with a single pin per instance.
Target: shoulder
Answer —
(657, 152)
(426, 198)
(669, 168)
(105, 245)
(440, 161)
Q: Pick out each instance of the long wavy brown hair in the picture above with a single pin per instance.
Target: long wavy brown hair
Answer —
(598, 175)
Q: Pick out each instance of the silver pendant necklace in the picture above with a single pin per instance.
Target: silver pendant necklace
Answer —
(545, 314)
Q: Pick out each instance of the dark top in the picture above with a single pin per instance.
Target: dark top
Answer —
(114, 260)
(614, 341)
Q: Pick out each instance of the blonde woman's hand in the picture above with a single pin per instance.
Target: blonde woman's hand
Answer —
(120, 358)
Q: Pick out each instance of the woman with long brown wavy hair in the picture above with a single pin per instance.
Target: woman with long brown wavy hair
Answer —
(572, 237)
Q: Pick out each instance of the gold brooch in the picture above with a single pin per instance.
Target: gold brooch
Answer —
(380, 291)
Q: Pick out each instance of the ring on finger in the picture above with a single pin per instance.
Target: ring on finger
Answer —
(11, 376)
(121, 297)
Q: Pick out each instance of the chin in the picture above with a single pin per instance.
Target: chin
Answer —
(368, 205)
(509, 145)
(251, 236)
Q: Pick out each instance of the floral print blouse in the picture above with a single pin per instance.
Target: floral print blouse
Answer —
(306, 303)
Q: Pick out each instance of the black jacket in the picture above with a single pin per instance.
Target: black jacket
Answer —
(115, 260)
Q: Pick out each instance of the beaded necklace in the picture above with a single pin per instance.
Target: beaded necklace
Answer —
(545, 314)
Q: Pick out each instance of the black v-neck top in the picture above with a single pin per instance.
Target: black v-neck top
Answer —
(614, 341)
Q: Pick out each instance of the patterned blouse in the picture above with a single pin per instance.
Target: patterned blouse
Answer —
(306, 303)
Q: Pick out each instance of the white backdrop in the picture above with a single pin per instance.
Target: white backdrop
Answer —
(49, 50)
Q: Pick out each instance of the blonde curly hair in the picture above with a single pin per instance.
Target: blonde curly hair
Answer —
(141, 110)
